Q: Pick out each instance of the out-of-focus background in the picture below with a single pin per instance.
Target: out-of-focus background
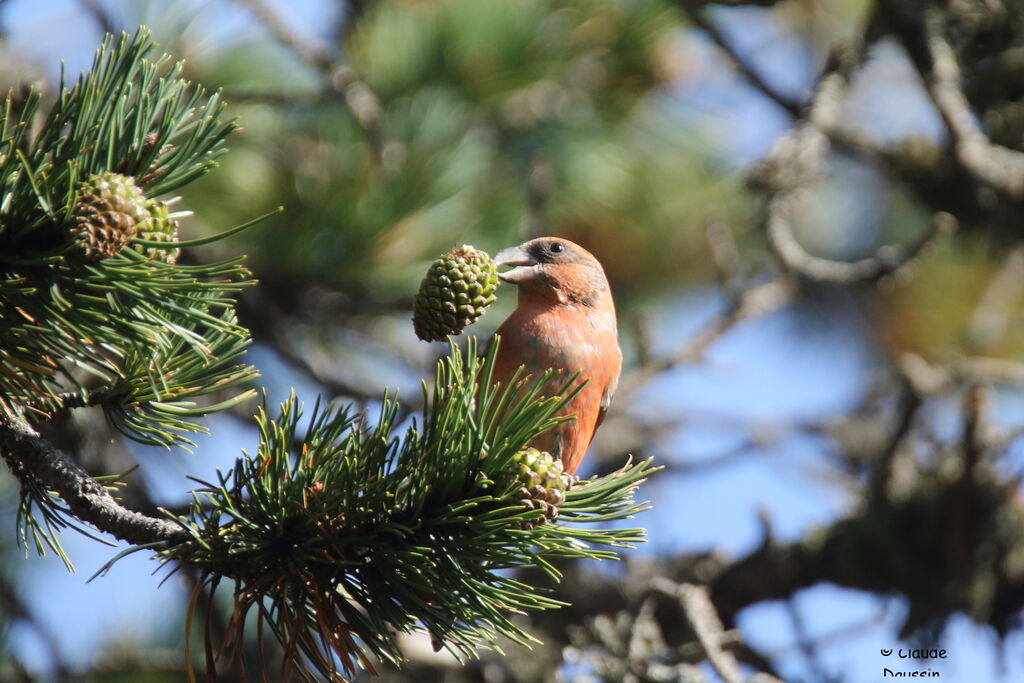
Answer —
(809, 211)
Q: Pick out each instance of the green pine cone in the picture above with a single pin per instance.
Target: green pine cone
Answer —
(456, 291)
(106, 216)
(159, 227)
(542, 481)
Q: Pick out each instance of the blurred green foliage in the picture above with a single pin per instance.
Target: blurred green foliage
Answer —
(486, 107)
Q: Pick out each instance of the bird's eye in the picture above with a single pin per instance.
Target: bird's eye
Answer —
(556, 248)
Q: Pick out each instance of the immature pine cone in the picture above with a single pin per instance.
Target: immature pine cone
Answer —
(542, 481)
(159, 227)
(107, 215)
(455, 292)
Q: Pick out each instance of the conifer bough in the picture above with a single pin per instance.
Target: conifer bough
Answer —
(94, 309)
(456, 291)
(339, 538)
(336, 540)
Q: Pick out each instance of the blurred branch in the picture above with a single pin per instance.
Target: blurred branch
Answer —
(306, 47)
(742, 304)
(756, 302)
(994, 370)
(343, 79)
(270, 325)
(29, 456)
(909, 404)
(998, 166)
(725, 256)
(935, 377)
(888, 260)
(101, 16)
(692, 9)
(706, 624)
(796, 163)
(701, 614)
(806, 644)
(921, 34)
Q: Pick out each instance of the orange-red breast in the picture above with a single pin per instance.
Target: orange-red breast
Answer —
(565, 320)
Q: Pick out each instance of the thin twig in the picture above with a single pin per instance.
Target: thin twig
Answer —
(692, 10)
(306, 47)
(887, 260)
(706, 624)
(934, 377)
(910, 405)
(100, 16)
(757, 302)
(805, 643)
(341, 78)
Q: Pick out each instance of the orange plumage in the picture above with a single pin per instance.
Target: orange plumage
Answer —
(565, 320)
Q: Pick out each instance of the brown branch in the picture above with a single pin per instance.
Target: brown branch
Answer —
(753, 303)
(706, 625)
(29, 456)
(921, 34)
(910, 405)
(794, 166)
(934, 377)
(805, 643)
(742, 305)
(703, 618)
(692, 9)
(886, 261)
(317, 56)
(998, 166)
(358, 96)
(100, 16)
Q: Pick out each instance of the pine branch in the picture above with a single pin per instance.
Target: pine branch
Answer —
(337, 544)
(38, 464)
(355, 535)
(154, 333)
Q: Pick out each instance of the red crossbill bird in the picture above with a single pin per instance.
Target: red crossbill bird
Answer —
(565, 320)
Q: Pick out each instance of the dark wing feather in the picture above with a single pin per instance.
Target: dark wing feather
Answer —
(606, 401)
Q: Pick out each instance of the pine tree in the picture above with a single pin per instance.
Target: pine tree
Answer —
(333, 538)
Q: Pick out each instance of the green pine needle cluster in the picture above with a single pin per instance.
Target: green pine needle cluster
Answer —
(339, 533)
(339, 536)
(137, 335)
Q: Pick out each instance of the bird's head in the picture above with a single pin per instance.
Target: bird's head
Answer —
(554, 268)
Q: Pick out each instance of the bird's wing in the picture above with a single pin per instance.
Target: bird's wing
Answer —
(606, 401)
